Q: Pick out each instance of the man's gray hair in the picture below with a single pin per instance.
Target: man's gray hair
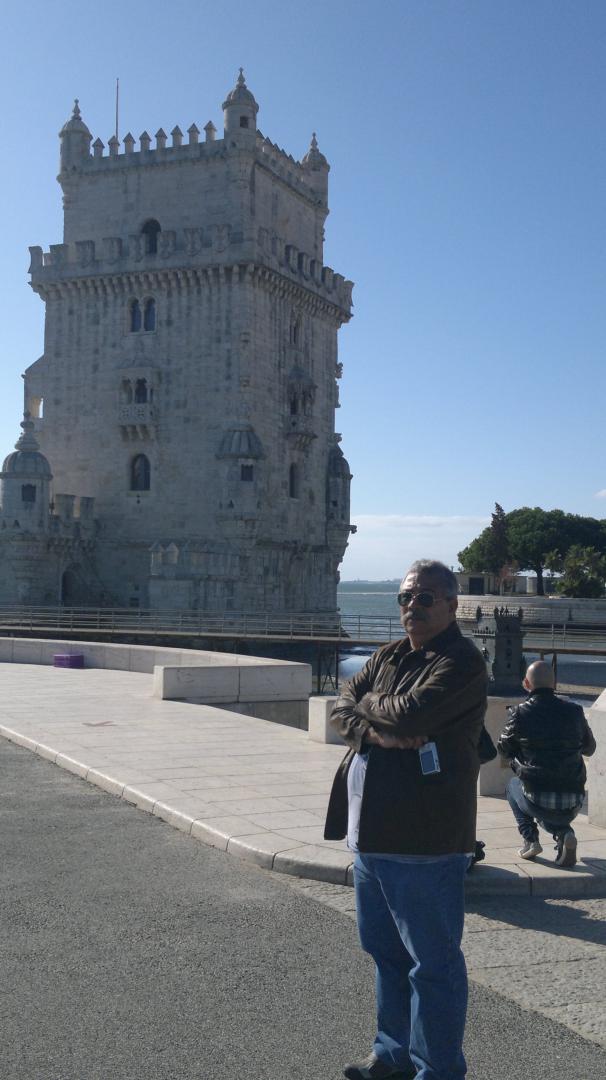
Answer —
(444, 578)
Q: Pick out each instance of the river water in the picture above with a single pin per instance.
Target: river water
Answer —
(380, 598)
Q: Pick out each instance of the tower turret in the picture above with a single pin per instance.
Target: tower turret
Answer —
(25, 483)
(317, 169)
(75, 141)
(240, 112)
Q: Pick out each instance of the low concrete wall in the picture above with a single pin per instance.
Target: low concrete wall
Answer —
(495, 775)
(596, 765)
(276, 690)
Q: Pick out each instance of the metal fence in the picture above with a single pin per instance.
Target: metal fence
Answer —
(276, 625)
(232, 624)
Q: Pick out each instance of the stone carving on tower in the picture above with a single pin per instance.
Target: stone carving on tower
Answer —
(188, 378)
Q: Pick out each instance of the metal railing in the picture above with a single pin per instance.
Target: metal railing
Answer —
(310, 625)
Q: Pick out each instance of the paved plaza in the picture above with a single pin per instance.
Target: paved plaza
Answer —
(256, 789)
(535, 934)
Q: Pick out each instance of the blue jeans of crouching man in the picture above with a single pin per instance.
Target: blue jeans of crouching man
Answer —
(410, 919)
(528, 814)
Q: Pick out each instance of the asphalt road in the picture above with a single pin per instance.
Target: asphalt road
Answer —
(130, 951)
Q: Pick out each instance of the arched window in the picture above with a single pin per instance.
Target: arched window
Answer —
(150, 231)
(140, 473)
(28, 493)
(294, 481)
(141, 391)
(149, 315)
(126, 392)
(295, 332)
(294, 405)
(135, 316)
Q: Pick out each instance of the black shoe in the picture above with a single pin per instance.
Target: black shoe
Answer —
(372, 1068)
(566, 849)
(478, 855)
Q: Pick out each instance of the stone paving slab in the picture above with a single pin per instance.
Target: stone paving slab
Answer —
(248, 786)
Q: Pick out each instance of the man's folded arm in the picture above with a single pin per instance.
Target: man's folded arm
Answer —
(432, 706)
(347, 719)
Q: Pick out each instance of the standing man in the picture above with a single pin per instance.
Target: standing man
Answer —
(544, 742)
(405, 795)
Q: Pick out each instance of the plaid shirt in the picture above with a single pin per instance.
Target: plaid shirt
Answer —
(554, 800)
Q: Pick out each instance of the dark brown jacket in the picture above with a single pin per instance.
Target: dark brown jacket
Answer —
(438, 691)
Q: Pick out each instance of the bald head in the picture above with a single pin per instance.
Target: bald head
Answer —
(539, 675)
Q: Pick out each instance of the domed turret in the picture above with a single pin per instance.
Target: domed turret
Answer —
(317, 169)
(75, 141)
(25, 482)
(240, 109)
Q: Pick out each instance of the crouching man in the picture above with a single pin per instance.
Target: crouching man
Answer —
(544, 742)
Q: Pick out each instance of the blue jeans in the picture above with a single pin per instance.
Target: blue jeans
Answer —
(410, 919)
(528, 814)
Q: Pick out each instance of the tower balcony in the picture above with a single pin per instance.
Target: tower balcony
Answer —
(137, 421)
(299, 431)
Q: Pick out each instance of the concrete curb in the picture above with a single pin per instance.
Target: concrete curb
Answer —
(275, 852)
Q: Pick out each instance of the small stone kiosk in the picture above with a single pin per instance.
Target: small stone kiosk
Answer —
(500, 639)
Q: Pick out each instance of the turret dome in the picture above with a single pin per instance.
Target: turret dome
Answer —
(26, 461)
(75, 124)
(241, 95)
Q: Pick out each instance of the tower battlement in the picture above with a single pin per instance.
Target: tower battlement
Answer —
(190, 250)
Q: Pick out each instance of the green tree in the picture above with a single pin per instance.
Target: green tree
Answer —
(489, 552)
(533, 533)
(583, 571)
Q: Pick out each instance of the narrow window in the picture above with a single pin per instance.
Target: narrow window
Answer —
(141, 391)
(126, 392)
(295, 332)
(28, 493)
(149, 317)
(150, 231)
(135, 316)
(243, 121)
(294, 405)
(247, 472)
(140, 473)
(293, 481)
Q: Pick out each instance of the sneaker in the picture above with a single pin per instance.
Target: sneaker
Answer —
(372, 1068)
(531, 849)
(566, 849)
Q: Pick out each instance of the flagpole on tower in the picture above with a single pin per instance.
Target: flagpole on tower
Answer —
(117, 103)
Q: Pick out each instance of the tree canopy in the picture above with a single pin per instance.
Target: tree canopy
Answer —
(536, 539)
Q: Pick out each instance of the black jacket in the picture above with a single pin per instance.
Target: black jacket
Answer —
(438, 690)
(545, 740)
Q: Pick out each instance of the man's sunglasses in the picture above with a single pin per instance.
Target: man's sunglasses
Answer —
(425, 598)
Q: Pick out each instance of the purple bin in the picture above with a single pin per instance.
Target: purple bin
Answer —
(75, 660)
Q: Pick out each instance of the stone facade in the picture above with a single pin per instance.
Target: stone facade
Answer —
(189, 377)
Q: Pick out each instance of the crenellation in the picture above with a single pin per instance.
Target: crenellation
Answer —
(204, 246)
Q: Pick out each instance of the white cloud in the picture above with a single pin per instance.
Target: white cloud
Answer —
(386, 544)
(600, 494)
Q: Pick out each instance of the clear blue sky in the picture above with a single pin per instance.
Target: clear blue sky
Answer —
(467, 146)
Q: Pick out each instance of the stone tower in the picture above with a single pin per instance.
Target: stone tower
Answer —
(188, 382)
